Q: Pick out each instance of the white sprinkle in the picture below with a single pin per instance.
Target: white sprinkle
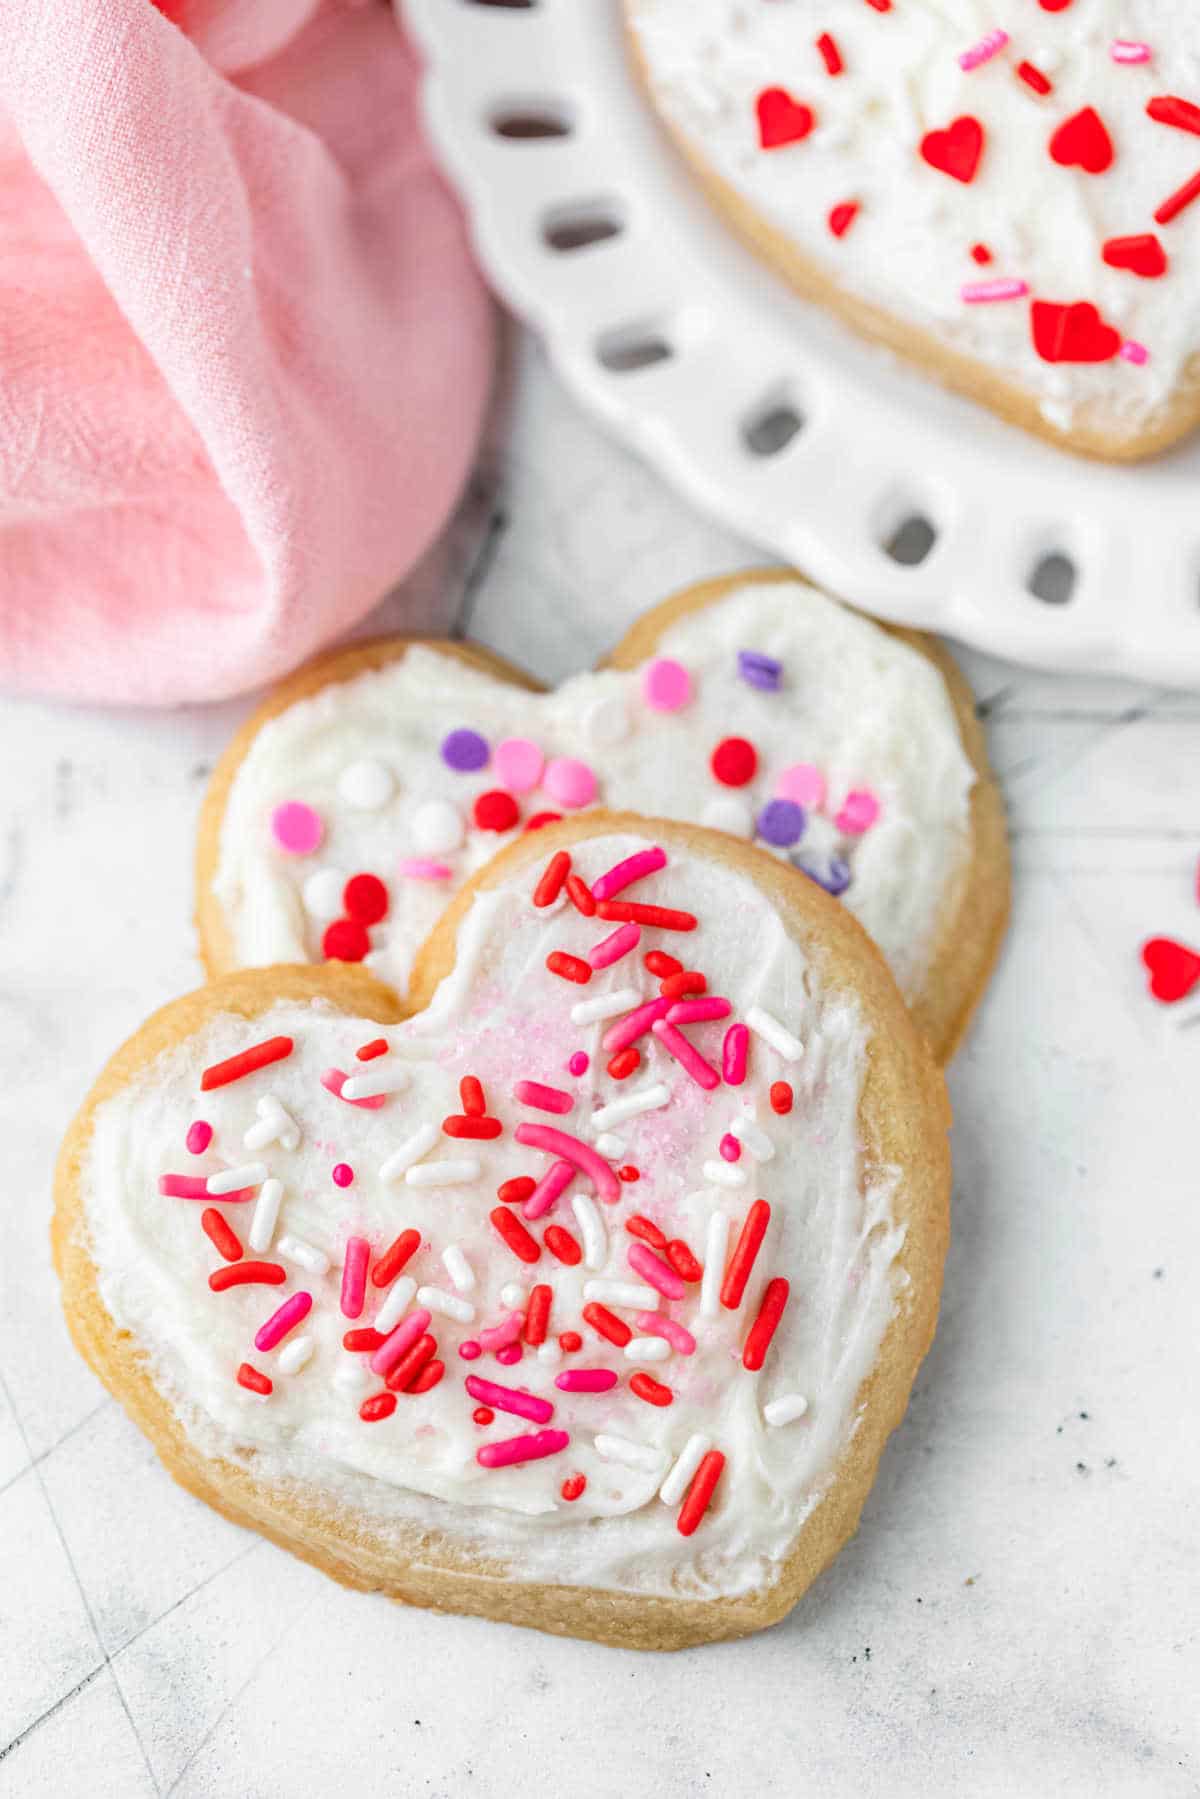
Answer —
(351, 1373)
(646, 1099)
(751, 1136)
(634, 1455)
(323, 891)
(445, 1174)
(723, 1174)
(375, 1085)
(549, 1352)
(608, 1144)
(275, 1125)
(689, 1459)
(448, 1305)
(462, 1275)
(437, 827)
(728, 814)
(772, 1032)
(512, 1294)
(716, 1244)
(266, 1215)
(647, 1349)
(295, 1249)
(623, 1293)
(294, 1355)
(605, 1005)
(250, 1174)
(784, 1409)
(605, 721)
(367, 784)
(410, 1151)
(591, 1229)
(396, 1304)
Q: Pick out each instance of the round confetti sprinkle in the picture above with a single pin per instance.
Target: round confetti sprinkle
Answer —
(343, 1174)
(761, 671)
(519, 764)
(629, 1173)
(569, 1342)
(573, 1486)
(345, 941)
(605, 722)
(470, 1350)
(727, 814)
(509, 1355)
(296, 828)
(366, 784)
(437, 827)
(578, 1064)
(483, 1414)
(571, 783)
(859, 811)
(781, 1097)
(781, 822)
(734, 761)
(730, 1148)
(804, 783)
(465, 751)
(322, 893)
(666, 685)
(495, 811)
(541, 818)
(365, 899)
(199, 1136)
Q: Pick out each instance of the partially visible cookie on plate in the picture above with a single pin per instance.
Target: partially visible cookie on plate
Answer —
(355, 803)
(583, 1298)
(1007, 195)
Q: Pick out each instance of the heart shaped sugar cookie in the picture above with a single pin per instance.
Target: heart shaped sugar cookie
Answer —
(352, 807)
(587, 1296)
(1026, 143)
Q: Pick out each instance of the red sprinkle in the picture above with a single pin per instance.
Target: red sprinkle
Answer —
(630, 912)
(394, 1258)
(563, 1246)
(683, 1261)
(378, 1046)
(842, 216)
(361, 1340)
(637, 1226)
(1169, 109)
(1033, 77)
(365, 898)
(881, 5)
(248, 1061)
(537, 1314)
(569, 968)
(553, 876)
(659, 963)
(249, 1377)
(831, 56)
(483, 1414)
(607, 1324)
(782, 1097)
(429, 1378)
(515, 1235)
(569, 1342)
(482, 1130)
(516, 1191)
(409, 1366)
(220, 1235)
(744, 1255)
(496, 811)
(980, 254)
(540, 819)
(247, 1274)
(580, 895)
(1176, 202)
(623, 1064)
(758, 1341)
(676, 986)
(734, 761)
(652, 1391)
(380, 1405)
(573, 1486)
(709, 1472)
(345, 940)
(470, 1092)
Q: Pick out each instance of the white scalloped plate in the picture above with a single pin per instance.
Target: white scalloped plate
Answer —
(694, 352)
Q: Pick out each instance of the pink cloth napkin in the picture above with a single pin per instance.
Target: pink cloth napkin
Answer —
(243, 351)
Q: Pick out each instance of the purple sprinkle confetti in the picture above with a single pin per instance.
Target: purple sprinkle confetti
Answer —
(465, 751)
(760, 671)
(782, 823)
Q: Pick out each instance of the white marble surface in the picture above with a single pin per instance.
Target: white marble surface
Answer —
(1020, 1612)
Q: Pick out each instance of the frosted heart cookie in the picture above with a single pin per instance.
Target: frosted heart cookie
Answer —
(1007, 195)
(352, 807)
(585, 1298)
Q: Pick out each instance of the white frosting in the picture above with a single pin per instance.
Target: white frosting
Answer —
(502, 1016)
(866, 709)
(908, 250)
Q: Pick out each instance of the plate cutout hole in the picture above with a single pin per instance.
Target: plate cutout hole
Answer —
(911, 539)
(526, 120)
(633, 347)
(1052, 578)
(575, 227)
(772, 426)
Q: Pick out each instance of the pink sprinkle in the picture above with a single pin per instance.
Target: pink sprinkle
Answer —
(399, 1340)
(623, 874)
(343, 1174)
(1134, 352)
(585, 1380)
(522, 1449)
(333, 1080)
(686, 1054)
(548, 1099)
(579, 1063)
(281, 1322)
(199, 1136)
(571, 783)
(519, 764)
(552, 1183)
(470, 1350)
(1127, 50)
(698, 1011)
(859, 811)
(643, 1261)
(976, 292)
(734, 1051)
(804, 783)
(509, 1355)
(354, 1276)
(195, 1186)
(422, 868)
(730, 1148)
(509, 1399)
(666, 685)
(988, 46)
(296, 828)
(635, 1024)
(610, 949)
(561, 1143)
(653, 1324)
(498, 1336)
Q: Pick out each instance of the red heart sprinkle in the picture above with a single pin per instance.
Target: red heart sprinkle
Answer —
(1174, 969)
(1054, 5)
(957, 150)
(1082, 142)
(842, 216)
(781, 120)
(1142, 255)
(1074, 333)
